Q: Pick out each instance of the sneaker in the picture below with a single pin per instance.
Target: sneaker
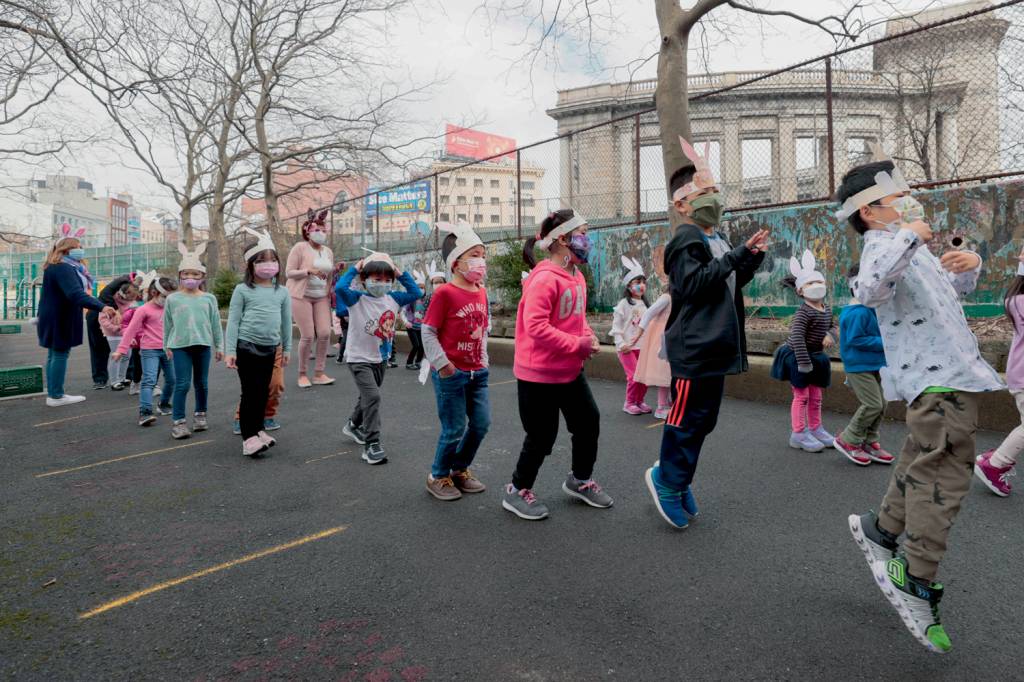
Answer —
(823, 437)
(118, 385)
(163, 409)
(354, 432)
(99, 385)
(304, 382)
(668, 502)
(64, 400)
(875, 543)
(854, 453)
(180, 430)
(662, 412)
(236, 427)
(524, 504)
(467, 482)
(995, 479)
(645, 408)
(341, 359)
(915, 600)
(134, 388)
(803, 440)
(875, 453)
(373, 453)
(157, 391)
(443, 488)
(411, 366)
(146, 418)
(271, 424)
(323, 380)
(199, 422)
(690, 502)
(253, 446)
(630, 408)
(392, 364)
(588, 491)
(267, 439)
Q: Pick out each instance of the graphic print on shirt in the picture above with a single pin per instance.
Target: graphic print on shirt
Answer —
(473, 325)
(567, 307)
(383, 327)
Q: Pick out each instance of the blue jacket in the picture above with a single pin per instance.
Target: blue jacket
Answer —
(860, 340)
(350, 297)
(60, 308)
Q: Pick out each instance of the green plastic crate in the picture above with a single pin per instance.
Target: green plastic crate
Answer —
(20, 381)
(10, 328)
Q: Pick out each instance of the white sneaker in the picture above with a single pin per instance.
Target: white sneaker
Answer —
(134, 388)
(64, 400)
(157, 391)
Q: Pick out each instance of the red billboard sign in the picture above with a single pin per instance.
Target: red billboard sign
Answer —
(475, 144)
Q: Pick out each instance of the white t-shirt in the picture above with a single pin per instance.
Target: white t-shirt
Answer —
(371, 322)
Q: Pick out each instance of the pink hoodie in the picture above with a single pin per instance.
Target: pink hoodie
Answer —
(552, 334)
(147, 325)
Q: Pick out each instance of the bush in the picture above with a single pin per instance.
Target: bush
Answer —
(224, 285)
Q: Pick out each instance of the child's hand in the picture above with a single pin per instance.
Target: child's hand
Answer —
(115, 356)
(828, 342)
(284, 359)
(805, 369)
(758, 242)
(170, 355)
(230, 363)
(921, 229)
(960, 261)
(595, 345)
(446, 371)
(218, 356)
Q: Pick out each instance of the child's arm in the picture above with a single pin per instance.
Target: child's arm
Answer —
(860, 336)
(343, 289)
(690, 277)
(540, 298)
(235, 309)
(132, 332)
(798, 341)
(286, 325)
(882, 265)
(412, 291)
(964, 283)
(620, 318)
(746, 269)
(292, 267)
(168, 322)
(218, 334)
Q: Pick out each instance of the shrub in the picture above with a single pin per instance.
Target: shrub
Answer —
(505, 270)
(224, 285)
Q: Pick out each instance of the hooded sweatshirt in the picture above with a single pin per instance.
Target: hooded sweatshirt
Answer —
(552, 334)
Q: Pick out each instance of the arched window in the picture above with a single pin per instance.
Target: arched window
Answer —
(341, 202)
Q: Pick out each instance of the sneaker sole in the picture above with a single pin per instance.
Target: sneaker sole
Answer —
(345, 430)
(148, 421)
(199, 429)
(806, 449)
(863, 543)
(187, 435)
(649, 480)
(877, 460)
(850, 456)
(442, 498)
(579, 496)
(525, 517)
(981, 477)
(374, 462)
(894, 598)
(258, 452)
(275, 428)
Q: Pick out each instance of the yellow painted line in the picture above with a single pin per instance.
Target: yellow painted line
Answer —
(135, 596)
(122, 459)
(656, 425)
(502, 383)
(83, 416)
(320, 459)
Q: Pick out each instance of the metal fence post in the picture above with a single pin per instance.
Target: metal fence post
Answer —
(518, 194)
(376, 220)
(437, 208)
(828, 121)
(636, 164)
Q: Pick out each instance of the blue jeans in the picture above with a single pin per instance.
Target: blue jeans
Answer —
(192, 363)
(152, 362)
(56, 370)
(460, 397)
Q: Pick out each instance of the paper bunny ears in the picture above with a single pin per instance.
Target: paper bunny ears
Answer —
(378, 256)
(633, 270)
(264, 242)
(885, 184)
(65, 232)
(804, 271)
(190, 259)
(465, 239)
(703, 178)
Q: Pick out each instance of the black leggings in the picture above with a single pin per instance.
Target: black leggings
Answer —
(416, 353)
(254, 373)
(539, 407)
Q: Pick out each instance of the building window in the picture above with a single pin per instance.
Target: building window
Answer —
(495, 201)
(460, 182)
(445, 217)
(495, 219)
(460, 200)
(340, 203)
(527, 202)
(529, 220)
(461, 216)
(445, 198)
(478, 183)
(495, 184)
(527, 184)
(478, 218)
(478, 200)
(443, 181)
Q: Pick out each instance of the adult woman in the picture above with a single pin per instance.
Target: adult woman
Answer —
(309, 267)
(65, 282)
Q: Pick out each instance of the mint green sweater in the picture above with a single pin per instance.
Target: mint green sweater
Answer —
(192, 320)
(260, 315)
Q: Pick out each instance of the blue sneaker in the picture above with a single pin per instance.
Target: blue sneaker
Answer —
(668, 502)
(690, 502)
(236, 428)
(271, 425)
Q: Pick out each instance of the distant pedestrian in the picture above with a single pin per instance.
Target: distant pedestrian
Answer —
(309, 267)
(652, 367)
(626, 333)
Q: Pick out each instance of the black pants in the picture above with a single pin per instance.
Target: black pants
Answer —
(539, 406)
(134, 373)
(694, 414)
(99, 348)
(416, 339)
(254, 373)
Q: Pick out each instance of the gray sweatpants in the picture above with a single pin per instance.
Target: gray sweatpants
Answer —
(368, 377)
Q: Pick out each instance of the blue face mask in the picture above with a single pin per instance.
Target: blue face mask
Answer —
(377, 289)
(76, 254)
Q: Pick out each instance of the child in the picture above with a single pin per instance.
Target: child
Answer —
(191, 331)
(863, 354)
(704, 340)
(412, 315)
(802, 360)
(937, 369)
(626, 332)
(455, 338)
(995, 467)
(259, 322)
(651, 368)
(134, 374)
(371, 315)
(111, 325)
(147, 328)
(552, 342)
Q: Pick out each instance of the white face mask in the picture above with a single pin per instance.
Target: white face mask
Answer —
(909, 210)
(815, 292)
(318, 237)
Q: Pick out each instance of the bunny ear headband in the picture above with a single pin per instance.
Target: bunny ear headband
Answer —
(465, 239)
(419, 277)
(633, 270)
(190, 259)
(433, 272)
(65, 232)
(379, 256)
(703, 178)
(264, 242)
(152, 278)
(804, 271)
(885, 184)
(314, 218)
(565, 228)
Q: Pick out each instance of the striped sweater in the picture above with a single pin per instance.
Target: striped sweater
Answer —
(808, 331)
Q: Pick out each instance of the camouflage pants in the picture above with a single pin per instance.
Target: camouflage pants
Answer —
(932, 476)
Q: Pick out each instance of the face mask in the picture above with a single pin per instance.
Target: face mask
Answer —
(638, 289)
(376, 288)
(580, 246)
(815, 292)
(318, 237)
(76, 254)
(160, 300)
(476, 270)
(909, 208)
(191, 283)
(707, 210)
(265, 270)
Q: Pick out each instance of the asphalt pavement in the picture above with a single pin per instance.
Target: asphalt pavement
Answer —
(128, 555)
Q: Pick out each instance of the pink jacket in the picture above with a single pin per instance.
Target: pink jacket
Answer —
(113, 324)
(147, 326)
(552, 334)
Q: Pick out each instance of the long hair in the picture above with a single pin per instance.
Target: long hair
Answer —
(60, 249)
(551, 222)
(167, 283)
(250, 272)
(1016, 289)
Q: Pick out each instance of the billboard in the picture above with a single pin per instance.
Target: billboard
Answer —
(413, 198)
(475, 144)
(134, 228)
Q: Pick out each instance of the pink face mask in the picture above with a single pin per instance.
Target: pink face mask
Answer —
(265, 270)
(476, 270)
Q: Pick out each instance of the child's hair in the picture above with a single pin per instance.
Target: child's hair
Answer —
(167, 283)
(553, 220)
(447, 246)
(629, 294)
(852, 274)
(681, 177)
(124, 289)
(1016, 289)
(376, 267)
(858, 179)
(250, 266)
(788, 282)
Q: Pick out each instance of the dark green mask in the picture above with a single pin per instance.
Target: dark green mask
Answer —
(707, 210)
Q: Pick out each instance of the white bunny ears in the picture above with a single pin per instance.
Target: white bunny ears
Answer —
(65, 232)
(633, 269)
(152, 278)
(465, 239)
(264, 242)
(419, 277)
(885, 184)
(804, 271)
(703, 178)
(433, 272)
(379, 256)
(190, 259)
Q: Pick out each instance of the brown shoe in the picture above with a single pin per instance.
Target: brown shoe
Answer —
(467, 482)
(443, 488)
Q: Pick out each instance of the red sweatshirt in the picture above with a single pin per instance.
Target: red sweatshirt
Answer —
(552, 334)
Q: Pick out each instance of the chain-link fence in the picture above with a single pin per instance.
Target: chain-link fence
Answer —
(942, 92)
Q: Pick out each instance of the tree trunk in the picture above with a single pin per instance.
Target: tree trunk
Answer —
(671, 95)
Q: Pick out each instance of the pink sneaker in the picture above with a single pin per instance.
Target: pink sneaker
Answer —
(877, 454)
(662, 412)
(854, 453)
(629, 408)
(645, 408)
(253, 446)
(266, 439)
(995, 478)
